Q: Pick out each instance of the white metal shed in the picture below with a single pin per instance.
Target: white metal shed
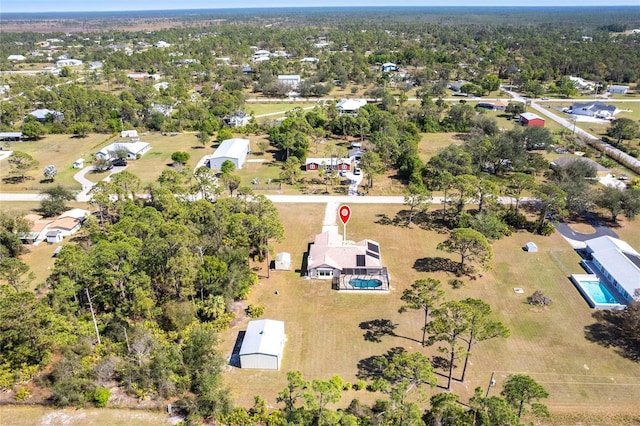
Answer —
(234, 150)
(263, 345)
(531, 247)
(283, 261)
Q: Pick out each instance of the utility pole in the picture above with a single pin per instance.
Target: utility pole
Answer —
(492, 382)
(93, 315)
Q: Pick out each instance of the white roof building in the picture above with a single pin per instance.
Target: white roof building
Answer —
(16, 58)
(292, 80)
(263, 345)
(618, 262)
(68, 63)
(234, 150)
(134, 150)
(350, 106)
(283, 261)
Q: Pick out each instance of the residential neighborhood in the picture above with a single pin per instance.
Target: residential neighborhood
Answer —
(407, 215)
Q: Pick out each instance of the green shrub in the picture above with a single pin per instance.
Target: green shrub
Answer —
(515, 220)
(456, 283)
(255, 311)
(360, 385)
(101, 396)
(22, 394)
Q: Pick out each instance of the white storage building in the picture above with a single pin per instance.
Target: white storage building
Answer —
(263, 345)
(283, 261)
(234, 150)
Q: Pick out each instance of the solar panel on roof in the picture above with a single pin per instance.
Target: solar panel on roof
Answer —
(360, 260)
(373, 247)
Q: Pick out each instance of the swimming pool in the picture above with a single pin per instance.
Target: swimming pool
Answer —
(596, 292)
(365, 283)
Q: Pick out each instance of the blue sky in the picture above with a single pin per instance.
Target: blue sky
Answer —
(89, 5)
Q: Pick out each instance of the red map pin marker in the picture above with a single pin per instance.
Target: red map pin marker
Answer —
(345, 213)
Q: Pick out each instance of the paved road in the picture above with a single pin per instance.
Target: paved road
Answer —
(626, 159)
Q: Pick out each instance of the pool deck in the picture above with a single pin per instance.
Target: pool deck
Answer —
(577, 280)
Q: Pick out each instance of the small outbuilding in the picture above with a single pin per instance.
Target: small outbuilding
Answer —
(531, 247)
(54, 236)
(530, 119)
(79, 163)
(283, 261)
(263, 345)
(10, 136)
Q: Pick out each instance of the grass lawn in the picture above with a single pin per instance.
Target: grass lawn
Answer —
(274, 108)
(433, 143)
(31, 415)
(325, 338)
(58, 150)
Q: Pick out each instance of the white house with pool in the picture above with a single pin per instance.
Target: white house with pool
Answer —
(350, 265)
(614, 277)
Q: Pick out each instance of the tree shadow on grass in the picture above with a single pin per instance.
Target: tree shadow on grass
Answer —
(433, 264)
(609, 331)
(12, 180)
(378, 328)
(383, 219)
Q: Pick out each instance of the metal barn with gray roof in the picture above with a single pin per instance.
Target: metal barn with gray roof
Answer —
(263, 345)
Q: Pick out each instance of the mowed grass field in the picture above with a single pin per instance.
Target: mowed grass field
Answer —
(325, 337)
(25, 415)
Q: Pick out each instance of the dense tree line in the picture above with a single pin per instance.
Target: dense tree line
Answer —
(138, 301)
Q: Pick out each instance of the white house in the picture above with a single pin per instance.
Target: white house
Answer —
(65, 226)
(234, 150)
(163, 85)
(389, 66)
(582, 84)
(68, 63)
(42, 114)
(16, 58)
(134, 150)
(615, 89)
(237, 119)
(350, 106)
(261, 55)
(310, 60)
(593, 109)
(263, 345)
(38, 228)
(162, 44)
(348, 264)
(290, 80)
(617, 262)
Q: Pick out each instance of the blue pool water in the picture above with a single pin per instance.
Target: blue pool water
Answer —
(598, 292)
(362, 283)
